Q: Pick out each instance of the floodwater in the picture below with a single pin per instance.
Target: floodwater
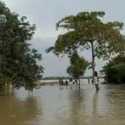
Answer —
(54, 105)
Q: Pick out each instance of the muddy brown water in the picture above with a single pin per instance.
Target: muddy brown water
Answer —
(54, 105)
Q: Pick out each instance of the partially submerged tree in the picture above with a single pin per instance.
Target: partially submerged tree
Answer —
(87, 30)
(115, 70)
(77, 66)
(18, 62)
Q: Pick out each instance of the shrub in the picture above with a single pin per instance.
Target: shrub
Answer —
(115, 70)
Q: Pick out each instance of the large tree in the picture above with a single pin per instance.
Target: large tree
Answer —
(18, 62)
(87, 30)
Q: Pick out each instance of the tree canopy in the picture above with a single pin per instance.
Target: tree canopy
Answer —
(115, 70)
(18, 62)
(87, 27)
(77, 66)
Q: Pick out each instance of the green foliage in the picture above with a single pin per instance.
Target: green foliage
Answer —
(18, 63)
(115, 70)
(77, 67)
(87, 27)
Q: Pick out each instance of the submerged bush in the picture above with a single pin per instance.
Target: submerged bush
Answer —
(77, 66)
(115, 70)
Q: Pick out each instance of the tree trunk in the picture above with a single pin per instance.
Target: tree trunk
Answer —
(93, 63)
(79, 82)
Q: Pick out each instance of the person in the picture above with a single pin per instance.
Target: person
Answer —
(66, 82)
(88, 80)
(61, 82)
(96, 80)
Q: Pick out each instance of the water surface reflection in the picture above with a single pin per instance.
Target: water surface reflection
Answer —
(52, 105)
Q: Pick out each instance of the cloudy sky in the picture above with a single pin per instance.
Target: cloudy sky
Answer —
(45, 14)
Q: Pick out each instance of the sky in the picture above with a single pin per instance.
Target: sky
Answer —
(45, 14)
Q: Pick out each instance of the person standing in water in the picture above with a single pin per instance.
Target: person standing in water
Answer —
(96, 81)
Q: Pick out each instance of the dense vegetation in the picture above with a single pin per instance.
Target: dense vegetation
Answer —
(77, 66)
(18, 62)
(115, 70)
